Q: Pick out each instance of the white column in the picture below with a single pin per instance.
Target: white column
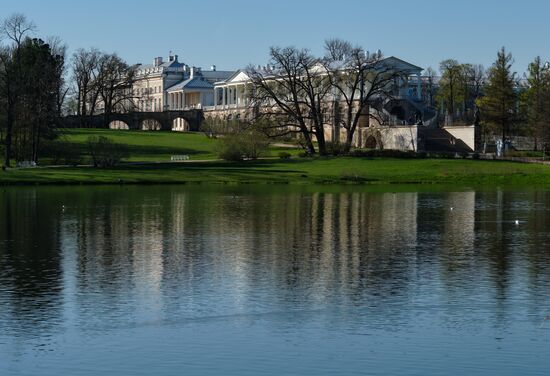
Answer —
(183, 99)
(215, 97)
(238, 93)
(223, 96)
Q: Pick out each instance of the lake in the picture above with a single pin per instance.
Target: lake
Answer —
(274, 280)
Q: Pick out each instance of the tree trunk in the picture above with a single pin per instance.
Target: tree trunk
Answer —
(349, 141)
(320, 134)
(309, 143)
(9, 136)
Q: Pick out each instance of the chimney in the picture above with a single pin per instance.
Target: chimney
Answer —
(171, 57)
(157, 61)
(192, 74)
(213, 68)
(176, 58)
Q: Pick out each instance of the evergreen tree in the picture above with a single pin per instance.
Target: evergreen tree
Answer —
(498, 106)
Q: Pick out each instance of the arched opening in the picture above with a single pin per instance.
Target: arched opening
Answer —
(118, 124)
(180, 125)
(151, 125)
(371, 143)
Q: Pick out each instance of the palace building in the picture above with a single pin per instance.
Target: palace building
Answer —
(406, 121)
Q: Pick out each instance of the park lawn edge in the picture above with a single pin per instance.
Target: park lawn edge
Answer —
(320, 171)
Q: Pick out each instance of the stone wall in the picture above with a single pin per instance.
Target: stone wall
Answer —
(465, 133)
(381, 137)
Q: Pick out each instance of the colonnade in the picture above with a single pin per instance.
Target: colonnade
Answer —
(231, 95)
(176, 101)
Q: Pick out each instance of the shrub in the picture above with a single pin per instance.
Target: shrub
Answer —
(254, 144)
(62, 152)
(243, 145)
(335, 148)
(284, 155)
(230, 149)
(105, 152)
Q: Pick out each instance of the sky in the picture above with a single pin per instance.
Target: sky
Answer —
(232, 34)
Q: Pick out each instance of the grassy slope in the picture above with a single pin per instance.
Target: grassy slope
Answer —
(157, 147)
(150, 146)
(299, 171)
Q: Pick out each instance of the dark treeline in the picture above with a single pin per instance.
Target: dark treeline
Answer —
(37, 88)
(32, 89)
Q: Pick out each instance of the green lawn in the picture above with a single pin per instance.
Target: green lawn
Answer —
(154, 150)
(147, 146)
(344, 170)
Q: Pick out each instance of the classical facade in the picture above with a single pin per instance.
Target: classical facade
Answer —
(406, 121)
(174, 85)
(171, 86)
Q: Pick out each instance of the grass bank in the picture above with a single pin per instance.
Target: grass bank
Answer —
(148, 146)
(344, 170)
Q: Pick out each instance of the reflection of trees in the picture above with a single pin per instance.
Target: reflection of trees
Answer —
(30, 273)
(145, 251)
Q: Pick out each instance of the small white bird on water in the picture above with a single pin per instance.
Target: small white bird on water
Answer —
(517, 222)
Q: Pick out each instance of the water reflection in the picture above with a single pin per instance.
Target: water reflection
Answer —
(80, 261)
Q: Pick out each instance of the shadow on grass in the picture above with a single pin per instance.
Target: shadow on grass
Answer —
(267, 165)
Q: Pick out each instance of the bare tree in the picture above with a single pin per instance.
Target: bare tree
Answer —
(431, 74)
(59, 49)
(358, 80)
(85, 64)
(451, 87)
(291, 93)
(115, 79)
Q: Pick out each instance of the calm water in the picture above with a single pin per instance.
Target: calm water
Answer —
(273, 281)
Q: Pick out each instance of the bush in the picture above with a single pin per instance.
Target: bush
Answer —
(243, 145)
(254, 143)
(335, 148)
(230, 149)
(62, 152)
(284, 155)
(105, 152)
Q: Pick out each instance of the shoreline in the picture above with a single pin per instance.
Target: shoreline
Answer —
(342, 171)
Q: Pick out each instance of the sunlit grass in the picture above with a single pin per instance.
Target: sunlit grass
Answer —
(343, 170)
